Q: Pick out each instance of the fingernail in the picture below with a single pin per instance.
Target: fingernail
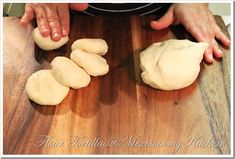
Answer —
(210, 57)
(220, 52)
(56, 36)
(64, 33)
(45, 32)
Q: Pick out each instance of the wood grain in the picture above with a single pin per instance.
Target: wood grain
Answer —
(117, 107)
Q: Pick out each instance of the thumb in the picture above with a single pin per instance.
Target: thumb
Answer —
(164, 21)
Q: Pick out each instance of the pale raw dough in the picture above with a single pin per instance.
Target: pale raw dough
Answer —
(46, 43)
(93, 64)
(172, 64)
(68, 73)
(44, 89)
(97, 46)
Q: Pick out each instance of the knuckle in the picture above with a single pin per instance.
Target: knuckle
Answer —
(64, 15)
(200, 34)
(40, 17)
(214, 42)
(52, 17)
(222, 34)
(217, 28)
(64, 22)
(193, 30)
(28, 14)
(209, 51)
(28, 11)
(209, 35)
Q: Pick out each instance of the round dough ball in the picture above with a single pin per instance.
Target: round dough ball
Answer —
(93, 64)
(45, 43)
(68, 73)
(97, 46)
(43, 88)
(172, 64)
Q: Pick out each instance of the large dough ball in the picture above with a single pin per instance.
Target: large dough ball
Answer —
(94, 64)
(172, 64)
(43, 88)
(46, 43)
(97, 46)
(68, 73)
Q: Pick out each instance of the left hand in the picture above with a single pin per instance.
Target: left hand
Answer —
(199, 21)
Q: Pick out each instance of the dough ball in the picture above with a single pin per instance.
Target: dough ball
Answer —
(45, 43)
(97, 46)
(68, 73)
(94, 64)
(43, 88)
(172, 64)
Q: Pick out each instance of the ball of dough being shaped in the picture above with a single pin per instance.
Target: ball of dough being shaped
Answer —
(171, 64)
(69, 73)
(44, 89)
(93, 64)
(97, 46)
(45, 43)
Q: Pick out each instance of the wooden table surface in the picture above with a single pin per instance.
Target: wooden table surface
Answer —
(117, 113)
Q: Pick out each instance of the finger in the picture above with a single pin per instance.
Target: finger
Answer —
(208, 56)
(163, 22)
(63, 11)
(42, 21)
(216, 50)
(78, 6)
(200, 36)
(221, 36)
(28, 15)
(54, 22)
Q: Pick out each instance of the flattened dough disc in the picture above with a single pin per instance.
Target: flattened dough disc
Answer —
(44, 89)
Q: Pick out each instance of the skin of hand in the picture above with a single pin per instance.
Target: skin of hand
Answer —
(52, 18)
(197, 20)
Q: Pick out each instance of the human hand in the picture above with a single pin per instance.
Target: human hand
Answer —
(52, 18)
(197, 20)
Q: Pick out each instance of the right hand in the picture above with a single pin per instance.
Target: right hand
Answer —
(52, 18)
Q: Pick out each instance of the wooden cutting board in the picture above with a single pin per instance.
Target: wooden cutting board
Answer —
(117, 113)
